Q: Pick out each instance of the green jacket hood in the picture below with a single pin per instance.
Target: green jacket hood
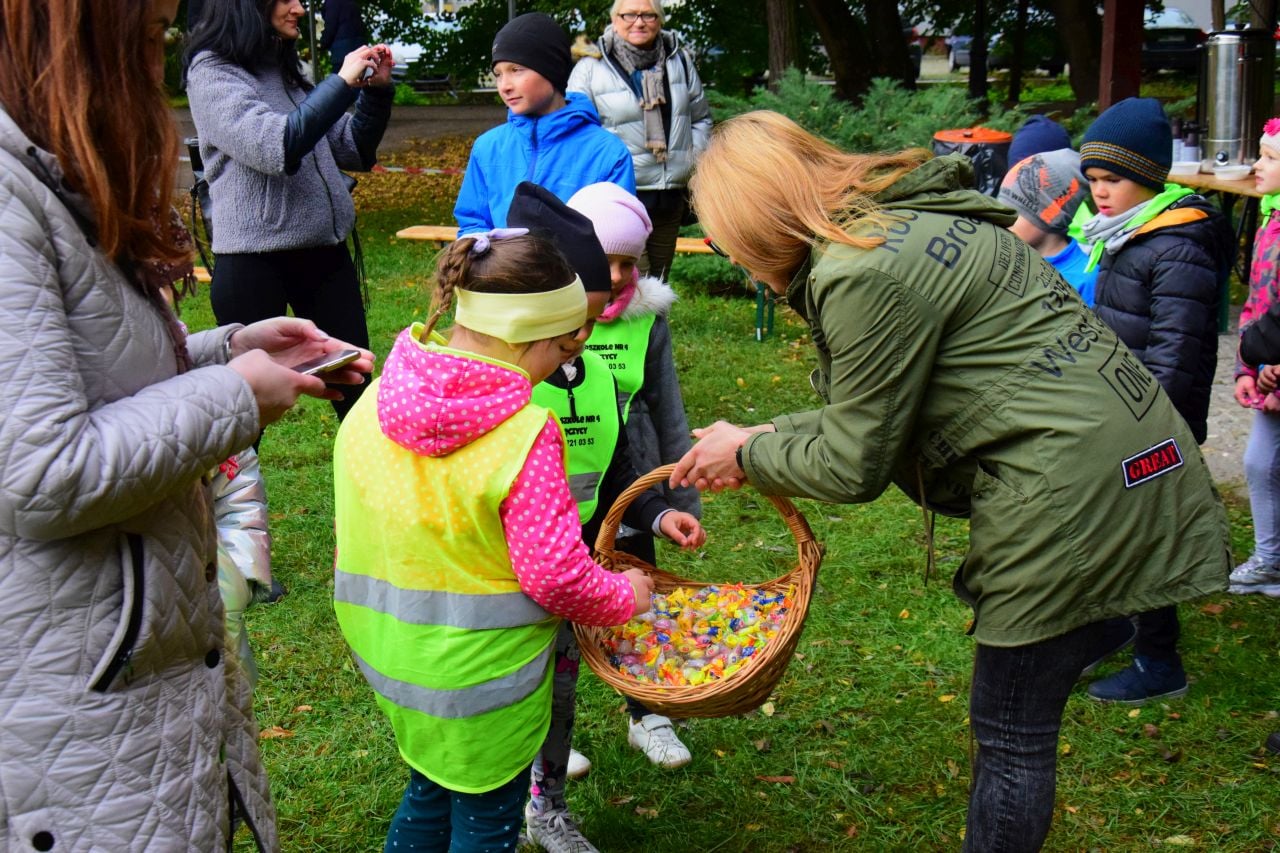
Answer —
(945, 185)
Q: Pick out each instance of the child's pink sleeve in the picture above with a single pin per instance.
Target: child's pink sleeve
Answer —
(544, 537)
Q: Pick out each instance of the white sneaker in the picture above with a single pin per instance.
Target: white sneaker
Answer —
(579, 765)
(655, 737)
(555, 831)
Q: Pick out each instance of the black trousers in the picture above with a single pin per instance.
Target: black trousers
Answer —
(318, 284)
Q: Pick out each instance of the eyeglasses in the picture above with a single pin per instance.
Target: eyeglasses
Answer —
(647, 17)
(713, 247)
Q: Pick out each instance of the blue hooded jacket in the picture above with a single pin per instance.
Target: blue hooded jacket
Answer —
(562, 151)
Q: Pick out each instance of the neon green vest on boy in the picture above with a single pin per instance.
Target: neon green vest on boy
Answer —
(623, 345)
(458, 655)
(588, 415)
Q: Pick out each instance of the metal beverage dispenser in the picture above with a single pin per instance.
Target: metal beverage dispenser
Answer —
(1235, 96)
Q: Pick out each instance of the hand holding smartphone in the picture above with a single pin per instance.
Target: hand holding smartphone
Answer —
(327, 362)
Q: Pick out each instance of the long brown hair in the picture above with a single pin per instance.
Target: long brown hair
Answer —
(82, 80)
(766, 190)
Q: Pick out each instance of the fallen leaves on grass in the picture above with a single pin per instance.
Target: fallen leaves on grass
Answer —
(274, 732)
(778, 780)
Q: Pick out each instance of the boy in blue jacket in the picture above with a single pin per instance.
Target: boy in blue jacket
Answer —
(550, 138)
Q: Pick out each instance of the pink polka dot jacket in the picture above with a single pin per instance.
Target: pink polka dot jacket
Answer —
(432, 401)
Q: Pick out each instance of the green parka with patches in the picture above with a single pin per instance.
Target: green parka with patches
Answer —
(953, 360)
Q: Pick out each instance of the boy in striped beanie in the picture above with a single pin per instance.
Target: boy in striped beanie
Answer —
(1162, 254)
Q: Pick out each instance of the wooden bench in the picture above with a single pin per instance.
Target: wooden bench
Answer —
(442, 235)
(202, 275)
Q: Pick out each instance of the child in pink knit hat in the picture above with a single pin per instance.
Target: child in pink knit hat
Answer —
(633, 338)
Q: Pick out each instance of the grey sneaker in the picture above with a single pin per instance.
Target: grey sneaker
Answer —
(556, 831)
(1253, 572)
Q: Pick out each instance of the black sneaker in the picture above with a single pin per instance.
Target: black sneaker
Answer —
(1116, 635)
(1273, 743)
(1140, 682)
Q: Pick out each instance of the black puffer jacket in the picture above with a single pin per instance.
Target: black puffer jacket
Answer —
(1161, 292)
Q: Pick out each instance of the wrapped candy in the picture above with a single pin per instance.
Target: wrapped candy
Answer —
(693, 636)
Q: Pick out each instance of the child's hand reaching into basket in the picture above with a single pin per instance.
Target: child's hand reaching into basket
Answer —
(642, 585)
(682, 529)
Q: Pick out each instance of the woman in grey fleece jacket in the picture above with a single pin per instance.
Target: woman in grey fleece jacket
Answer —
(273, 147)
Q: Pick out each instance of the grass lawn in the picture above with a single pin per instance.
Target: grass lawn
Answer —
(864, 744)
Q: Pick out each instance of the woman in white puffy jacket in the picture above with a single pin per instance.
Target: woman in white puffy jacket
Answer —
(648, 94)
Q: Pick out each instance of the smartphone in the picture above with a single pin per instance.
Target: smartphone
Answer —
(327, 362)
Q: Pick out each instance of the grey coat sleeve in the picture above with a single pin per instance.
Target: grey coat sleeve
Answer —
(72, 466)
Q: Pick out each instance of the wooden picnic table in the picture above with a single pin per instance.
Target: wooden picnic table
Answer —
(442, 235)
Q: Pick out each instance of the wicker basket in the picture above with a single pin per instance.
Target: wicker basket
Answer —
(749, 687)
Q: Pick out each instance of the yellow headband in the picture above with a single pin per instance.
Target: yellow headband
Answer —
(519, 318)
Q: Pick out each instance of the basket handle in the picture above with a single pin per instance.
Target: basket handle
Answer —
(796, 523)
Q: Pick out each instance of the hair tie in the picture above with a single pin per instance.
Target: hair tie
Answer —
(484, 240)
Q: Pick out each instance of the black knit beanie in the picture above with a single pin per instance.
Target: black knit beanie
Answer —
(1131, 139)
(536, 41)
(539, 210)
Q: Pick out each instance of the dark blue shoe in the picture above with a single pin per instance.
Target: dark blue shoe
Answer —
(1140, 682)
(1116, 635)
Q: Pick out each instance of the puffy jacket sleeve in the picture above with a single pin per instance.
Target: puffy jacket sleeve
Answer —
(882, 351)
(699, 109)
(240, 513)
(1184, 299)
(1260, 342)
(71, 466)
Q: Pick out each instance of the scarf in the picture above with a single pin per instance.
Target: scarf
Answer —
(620, 302)
(647, 70)
(1109, 233)
(1267, 205)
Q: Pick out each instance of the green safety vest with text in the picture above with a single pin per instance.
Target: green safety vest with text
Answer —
(623, 346)
(458, 656)
(588, 416)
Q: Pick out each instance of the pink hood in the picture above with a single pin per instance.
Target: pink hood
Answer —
(433, 400)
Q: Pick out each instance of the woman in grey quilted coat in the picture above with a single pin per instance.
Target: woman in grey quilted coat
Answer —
(124, 722)
(649, 95)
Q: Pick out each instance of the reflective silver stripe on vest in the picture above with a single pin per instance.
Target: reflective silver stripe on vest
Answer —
(433, 607)
(583, 486)
(466, 701)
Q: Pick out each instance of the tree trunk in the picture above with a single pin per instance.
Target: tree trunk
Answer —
(860, 51)
(889, 54)
(1121, 72)
(1019, 55)
(844, 37)
(1218, 14)
(1083, 46)
(781, 18)
(978, 55)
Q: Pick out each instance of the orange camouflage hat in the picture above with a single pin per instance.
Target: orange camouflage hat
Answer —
(1046, 189)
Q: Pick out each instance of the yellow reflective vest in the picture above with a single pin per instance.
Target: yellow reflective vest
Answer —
(459, 657)
(623, 346)
(588, 414)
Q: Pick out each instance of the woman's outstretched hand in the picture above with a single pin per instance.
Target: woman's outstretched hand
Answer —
(712, 463)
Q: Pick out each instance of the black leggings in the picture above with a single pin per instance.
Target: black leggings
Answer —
(319, 284)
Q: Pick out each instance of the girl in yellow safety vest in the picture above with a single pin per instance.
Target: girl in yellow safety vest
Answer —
(459, 548)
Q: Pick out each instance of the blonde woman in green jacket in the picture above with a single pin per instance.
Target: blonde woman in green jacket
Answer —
(957, 364)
